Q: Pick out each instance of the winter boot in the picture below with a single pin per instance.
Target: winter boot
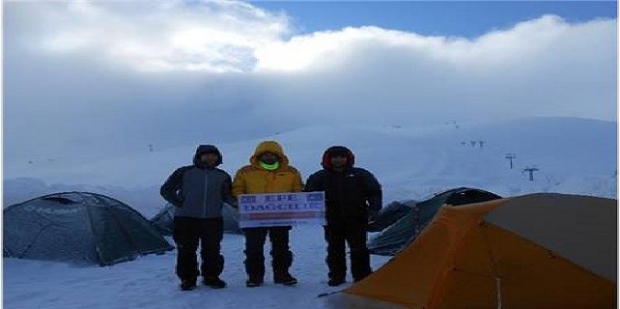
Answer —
(188, 284)
(284, 277)
(214, 282)
(253, 282)
(335, 281)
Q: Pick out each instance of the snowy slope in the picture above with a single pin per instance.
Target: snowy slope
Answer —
(573, 156)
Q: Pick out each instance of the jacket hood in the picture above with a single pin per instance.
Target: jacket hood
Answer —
(269, 146)
(337, 150)
(207, 149)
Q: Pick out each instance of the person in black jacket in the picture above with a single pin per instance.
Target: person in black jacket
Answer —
(198, 192)
(352, 196)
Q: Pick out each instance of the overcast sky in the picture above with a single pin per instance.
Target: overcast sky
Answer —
(113, 77)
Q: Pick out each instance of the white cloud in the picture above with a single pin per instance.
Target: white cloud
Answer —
(126, 74)
(234, 36)
(210, 36)
(526, 41)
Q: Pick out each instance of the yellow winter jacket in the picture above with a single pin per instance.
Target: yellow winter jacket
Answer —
(253, 179)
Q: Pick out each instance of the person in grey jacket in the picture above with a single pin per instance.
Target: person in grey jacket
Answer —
(198, 192)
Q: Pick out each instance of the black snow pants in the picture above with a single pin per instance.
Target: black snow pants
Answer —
(188, 234)
(337, 235)
(281, 255)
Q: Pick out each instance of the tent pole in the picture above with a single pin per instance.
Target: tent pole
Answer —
(498, 288)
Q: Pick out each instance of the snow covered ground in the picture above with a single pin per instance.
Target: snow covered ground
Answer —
(571, 155)
(149, 282)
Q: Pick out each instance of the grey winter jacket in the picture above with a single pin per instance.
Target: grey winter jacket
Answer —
(199, 191)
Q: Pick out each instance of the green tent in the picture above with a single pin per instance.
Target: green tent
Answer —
(78, 227)
(164, 220)
(390, 214)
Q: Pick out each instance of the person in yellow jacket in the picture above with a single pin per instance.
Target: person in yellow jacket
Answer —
(269, 172)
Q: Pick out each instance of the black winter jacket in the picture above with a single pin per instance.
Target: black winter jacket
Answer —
(348, 194)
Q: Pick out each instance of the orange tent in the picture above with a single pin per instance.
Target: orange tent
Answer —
(533, 251)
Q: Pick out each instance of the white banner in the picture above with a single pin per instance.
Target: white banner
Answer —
(281, 209)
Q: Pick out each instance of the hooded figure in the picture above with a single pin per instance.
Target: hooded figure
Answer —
(269, 172)
(198, 192)
(352, 195)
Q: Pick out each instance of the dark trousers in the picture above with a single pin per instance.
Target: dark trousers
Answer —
(281, 255)
(188, 234)
(337, 235)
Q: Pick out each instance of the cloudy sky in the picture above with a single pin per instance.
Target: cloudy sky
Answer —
(108, 77)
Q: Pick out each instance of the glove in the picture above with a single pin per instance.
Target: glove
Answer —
(373, 215)
(235, 213)
(234, 208)
(178, 201)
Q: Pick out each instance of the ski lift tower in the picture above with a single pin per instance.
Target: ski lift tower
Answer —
(511, 156)
(531, 170)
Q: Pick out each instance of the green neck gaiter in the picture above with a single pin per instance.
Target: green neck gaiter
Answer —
(269, 167)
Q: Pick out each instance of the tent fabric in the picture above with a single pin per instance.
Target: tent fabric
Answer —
(390, 214)
(517, 252)
(573, 230)
(78, 227)
(164, 220)
(402, 232)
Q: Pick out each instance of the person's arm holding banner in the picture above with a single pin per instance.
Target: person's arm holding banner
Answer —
(229, 198)
(297, 183)
(238, 188)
